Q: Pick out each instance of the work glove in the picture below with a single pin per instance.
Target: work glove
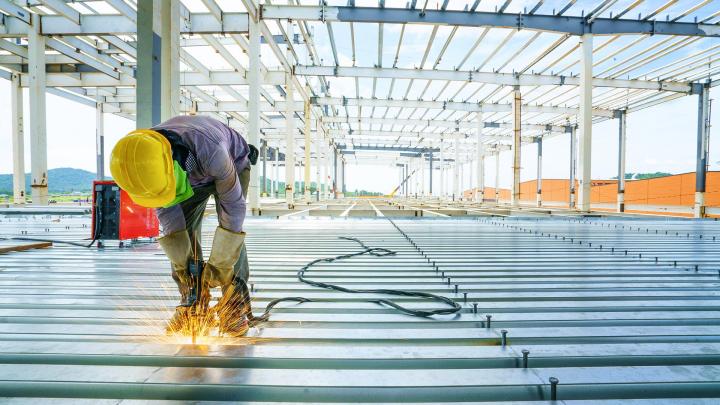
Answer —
(177, 248)
(223, 256)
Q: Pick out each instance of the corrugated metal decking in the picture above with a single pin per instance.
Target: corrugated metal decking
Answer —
(613, 309)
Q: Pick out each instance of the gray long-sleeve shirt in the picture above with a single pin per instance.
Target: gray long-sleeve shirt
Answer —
(221, 155)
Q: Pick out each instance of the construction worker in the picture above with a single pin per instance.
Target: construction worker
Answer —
(175, 167)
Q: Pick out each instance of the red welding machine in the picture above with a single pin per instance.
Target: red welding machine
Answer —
(116, 217)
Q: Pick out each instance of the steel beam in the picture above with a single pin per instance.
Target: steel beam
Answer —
(19, 50)
(506, 79)
(18, 140)
(13, 10)
(575, 25)
(393, 148)
(63, 9)
(441, 123)
(115, 25)
(451, 105)
(124, 9)
(74, 53)
(86, 79)
(401, 134)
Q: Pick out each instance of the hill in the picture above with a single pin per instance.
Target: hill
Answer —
(61, 181)
(642, 176)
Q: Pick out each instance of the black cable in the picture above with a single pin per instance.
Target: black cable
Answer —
(378, 252)
(57, 241)
(95, 238)
(96, 232)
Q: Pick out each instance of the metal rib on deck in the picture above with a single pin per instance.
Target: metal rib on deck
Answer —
(608, 324)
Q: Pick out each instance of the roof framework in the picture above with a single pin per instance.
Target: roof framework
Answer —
(406, 74)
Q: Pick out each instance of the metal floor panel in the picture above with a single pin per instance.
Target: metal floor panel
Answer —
(620, 311)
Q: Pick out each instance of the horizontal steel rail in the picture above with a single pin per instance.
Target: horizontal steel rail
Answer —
(614, 307)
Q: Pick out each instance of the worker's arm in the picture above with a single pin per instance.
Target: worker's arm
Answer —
(230, 201)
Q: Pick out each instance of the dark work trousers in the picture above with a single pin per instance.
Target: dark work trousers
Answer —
(193, 210)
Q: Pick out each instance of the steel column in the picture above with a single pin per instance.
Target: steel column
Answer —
(38, 130)
(289, 143)
(99, 139)
(622, 136)
(18, 139)
(148, 76)
(456, 171)
(585, 123)
(253, 120)
(461, 180)
(430, 180)
(538, 201)
(442, 169)
(421, 165)
(573, 157)
(335, 173)
(497, 177)
(327, 182)
(318, 159)
(277, 172)
(516, 144)
(170, 65)
(306, 174)
(342, 177)
(411, 187)
(263, 153)
(479, 194)
(703, 140)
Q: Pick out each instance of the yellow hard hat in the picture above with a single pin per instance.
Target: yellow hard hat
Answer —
(141, 163)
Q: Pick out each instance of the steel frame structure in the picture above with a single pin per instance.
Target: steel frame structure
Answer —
(571, 67)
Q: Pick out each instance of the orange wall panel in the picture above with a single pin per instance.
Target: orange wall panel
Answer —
(677, 189)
